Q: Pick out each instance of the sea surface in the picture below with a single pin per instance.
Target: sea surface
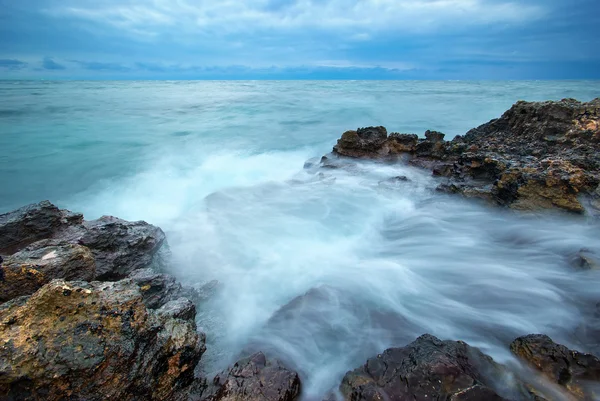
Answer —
(319, 268)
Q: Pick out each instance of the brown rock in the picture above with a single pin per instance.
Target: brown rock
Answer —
(28, 270)
(97, 341)
(364, 142)
(577, 372)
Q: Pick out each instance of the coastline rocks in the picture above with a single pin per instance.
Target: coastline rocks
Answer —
(537, 155)
(254, 378)
(28, 270)
(31, 223)
(579, 373)
(427, 369)
(95, 341)
(41, 243)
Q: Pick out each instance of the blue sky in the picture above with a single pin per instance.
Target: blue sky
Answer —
(281, 39)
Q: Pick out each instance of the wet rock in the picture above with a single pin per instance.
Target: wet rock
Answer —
(427, 369)
(255, 378)
(96, 341)
(181, 308)
(364, 142)
(31, 223)
(24, 272)
(579, 373)
(156, 288)
(585, 259)
(537, 155)
(119, 246)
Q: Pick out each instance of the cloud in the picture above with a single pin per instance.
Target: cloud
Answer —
(102, 66)
(225, 17)
(9, 64)
(49, 64)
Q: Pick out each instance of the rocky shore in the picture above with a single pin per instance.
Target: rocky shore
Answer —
(87, 312)
(537, 155)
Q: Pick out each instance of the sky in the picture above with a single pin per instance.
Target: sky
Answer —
(300, 39)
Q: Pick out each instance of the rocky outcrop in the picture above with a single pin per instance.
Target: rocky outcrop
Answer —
(538, 155)
(428, 369)
(33, 223)
(255, 378)
(28, 270)
(42, 243)
(95, 341)
(579, 373)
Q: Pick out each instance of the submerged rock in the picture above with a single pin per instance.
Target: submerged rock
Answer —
(255, 378)
(537, 155)
(427, 369)
(577, 372)
(96, 341)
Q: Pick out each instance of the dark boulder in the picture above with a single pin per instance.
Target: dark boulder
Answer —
(255, 378)
(427, 369)
(96, 341)
(119, 246)
(579, 373)
(157, 288)
(32, 223)
(24, 272)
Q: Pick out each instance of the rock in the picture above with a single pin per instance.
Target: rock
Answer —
(181, 308)
(255, 378)
(579, 373)
(364, 142)
(24, 272)
(427, 369)
(157, 289)
(400, 143)
(119, 246)
(537, 155)
(96, 341)
(32, 223)
(585, 260)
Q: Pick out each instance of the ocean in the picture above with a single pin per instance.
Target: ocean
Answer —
(321, 269)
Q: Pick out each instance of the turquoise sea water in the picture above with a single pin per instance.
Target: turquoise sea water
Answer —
(219, 166)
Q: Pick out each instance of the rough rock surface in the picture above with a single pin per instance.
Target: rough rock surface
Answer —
(24, 272)
(427, 369)
(96, 341)
(255, 378)
(40, 243)
(31, 223)
(157, 288)
(537, 155)
(577, 372)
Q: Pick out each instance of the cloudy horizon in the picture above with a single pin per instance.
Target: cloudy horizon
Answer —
(298, 39)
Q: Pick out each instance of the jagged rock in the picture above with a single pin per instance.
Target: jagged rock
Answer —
(157, 288)
(32, 223)
(96, 341)
(577, 372)
(537, 155)
(255, 378)
(427, 369)
(119, 246)
(181, 308)
(364, 142)
(24, 272)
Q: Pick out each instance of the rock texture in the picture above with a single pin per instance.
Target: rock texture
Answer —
(96, 341)
(28, 270)
(577, 372)
(538, 155)
(41, 243)
(427, 369)
(255, 378)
